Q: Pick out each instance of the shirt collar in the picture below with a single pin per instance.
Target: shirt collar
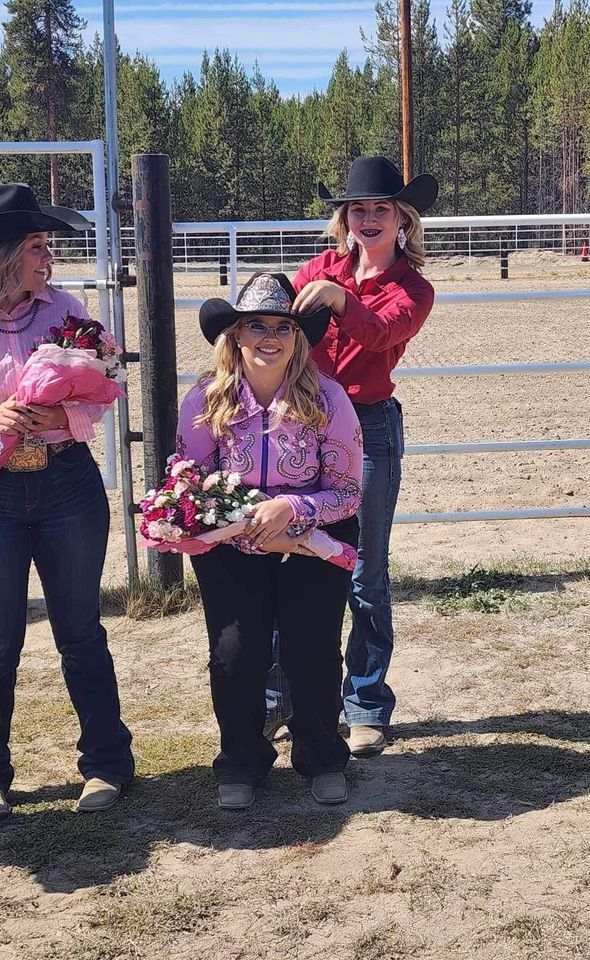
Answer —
(249, 405)
(343, 269)
(44, 295)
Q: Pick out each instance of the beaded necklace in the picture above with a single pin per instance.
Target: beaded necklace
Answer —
(32, 312)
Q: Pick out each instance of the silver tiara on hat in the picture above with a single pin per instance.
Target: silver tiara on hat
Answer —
(264, 293)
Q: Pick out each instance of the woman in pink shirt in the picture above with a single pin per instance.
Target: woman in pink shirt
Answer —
(53, 508)
(268, 414)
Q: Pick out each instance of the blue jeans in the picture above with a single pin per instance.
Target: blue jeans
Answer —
(367, 697)
(59, 518)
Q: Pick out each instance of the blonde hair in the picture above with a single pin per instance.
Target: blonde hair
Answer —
(337, 229)
(222, 398)
(11, 255)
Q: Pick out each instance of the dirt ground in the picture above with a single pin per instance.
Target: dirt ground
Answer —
(470, 836)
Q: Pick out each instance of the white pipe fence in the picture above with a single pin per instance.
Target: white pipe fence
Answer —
(496, 232)
(282, 245)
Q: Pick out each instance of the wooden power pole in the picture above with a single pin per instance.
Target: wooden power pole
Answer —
(405, 32)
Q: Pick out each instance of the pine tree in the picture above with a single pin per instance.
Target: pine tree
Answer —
(342, 123)
(427, 70)
(41, 43)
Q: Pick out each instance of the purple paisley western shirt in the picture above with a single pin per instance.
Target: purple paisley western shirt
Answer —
(318, 470)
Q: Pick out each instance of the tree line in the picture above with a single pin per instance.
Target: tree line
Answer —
(502, 113)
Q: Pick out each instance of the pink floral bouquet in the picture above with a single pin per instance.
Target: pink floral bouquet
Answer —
(192, 511)
(79, 361)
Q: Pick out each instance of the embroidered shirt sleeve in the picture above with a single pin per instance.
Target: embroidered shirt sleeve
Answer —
(195, 441)
(341, 467)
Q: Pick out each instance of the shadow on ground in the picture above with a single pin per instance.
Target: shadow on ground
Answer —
(485, 782)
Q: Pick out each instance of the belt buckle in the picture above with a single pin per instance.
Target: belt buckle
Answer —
(29, 457)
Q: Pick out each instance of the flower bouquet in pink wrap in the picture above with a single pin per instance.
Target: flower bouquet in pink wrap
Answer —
(78, 362)
(192, 511)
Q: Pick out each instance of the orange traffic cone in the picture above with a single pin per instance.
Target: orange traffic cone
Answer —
(585, 252)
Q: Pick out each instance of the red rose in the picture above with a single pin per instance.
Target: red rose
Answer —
(85, 342)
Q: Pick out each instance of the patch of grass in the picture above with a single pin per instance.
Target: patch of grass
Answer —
(523, 928)
(145, 599)
(387, 943)
(166, 752)
(496, 587)
(428, 884)
(303, 919)
(134, 913)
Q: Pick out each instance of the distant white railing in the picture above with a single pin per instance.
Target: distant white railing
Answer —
(283, 244)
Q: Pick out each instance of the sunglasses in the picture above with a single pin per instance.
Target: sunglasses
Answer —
(282, 331)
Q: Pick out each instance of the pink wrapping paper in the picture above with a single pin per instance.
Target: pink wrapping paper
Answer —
(54, 374)
(318, 543)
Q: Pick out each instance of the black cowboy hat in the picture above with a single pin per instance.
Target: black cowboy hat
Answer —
(265, 295)
(377, 178)
(21, 214)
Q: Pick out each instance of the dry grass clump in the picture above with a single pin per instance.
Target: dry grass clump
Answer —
(146, 599)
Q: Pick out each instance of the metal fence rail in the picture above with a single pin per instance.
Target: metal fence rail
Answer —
(203, 247)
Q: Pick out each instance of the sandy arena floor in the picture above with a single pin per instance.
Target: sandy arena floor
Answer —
(470, 836)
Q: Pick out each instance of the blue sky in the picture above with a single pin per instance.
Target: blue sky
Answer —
(295, 41)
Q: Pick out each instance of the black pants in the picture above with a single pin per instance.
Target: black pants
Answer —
(243, 596)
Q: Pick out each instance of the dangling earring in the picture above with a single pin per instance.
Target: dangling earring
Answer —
(401, 238)
(350, 241)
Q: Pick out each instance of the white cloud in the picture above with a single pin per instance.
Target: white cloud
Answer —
(153, 36)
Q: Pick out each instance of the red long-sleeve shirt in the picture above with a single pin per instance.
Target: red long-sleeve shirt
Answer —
(382, 314)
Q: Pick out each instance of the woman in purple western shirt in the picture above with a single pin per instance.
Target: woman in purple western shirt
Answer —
(268, 414)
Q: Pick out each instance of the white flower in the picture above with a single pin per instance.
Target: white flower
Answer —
(247, 509)
(234, 479)
(181, 465)
(237, 514)
(163, 530)
(209, 518)
(252, 494)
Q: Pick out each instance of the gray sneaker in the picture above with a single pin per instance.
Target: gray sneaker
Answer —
(366, 740)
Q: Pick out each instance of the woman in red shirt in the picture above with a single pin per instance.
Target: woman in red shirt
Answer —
(379, 301)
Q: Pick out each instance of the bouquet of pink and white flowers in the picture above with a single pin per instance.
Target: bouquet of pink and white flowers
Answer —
(78, 361)
(191, 503)
(192, 510)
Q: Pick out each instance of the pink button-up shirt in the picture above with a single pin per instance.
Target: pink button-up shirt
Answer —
(53, 307)
(318, 470)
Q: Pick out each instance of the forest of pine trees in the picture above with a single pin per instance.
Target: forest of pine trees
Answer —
(502, 113)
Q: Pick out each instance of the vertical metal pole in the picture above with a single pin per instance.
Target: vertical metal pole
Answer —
(112, 146)
(233, 263)
(405, 35)
(102, 268)
(157, 336)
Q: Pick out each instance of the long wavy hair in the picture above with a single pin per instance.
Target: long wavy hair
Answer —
(11, 285)
(300, 401)
(337, 229)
